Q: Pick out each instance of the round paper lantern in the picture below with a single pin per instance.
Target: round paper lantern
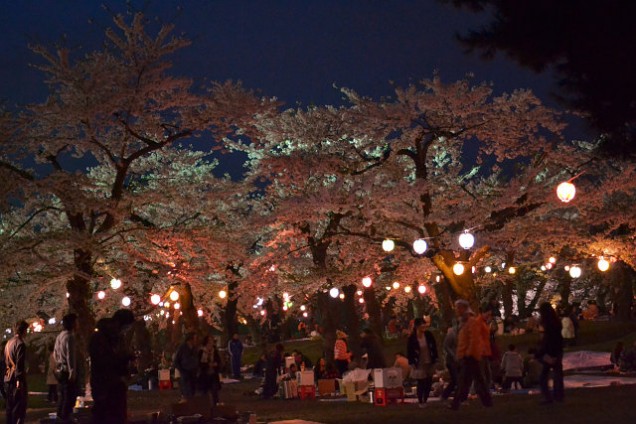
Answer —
(126, 301)
(396, 285)
(603, 264)
(101, 295)
(575, 271)
(421, 289)
(115, 283)
(155, 299)
(420, 246)
(458, 269)
(366, 282)
(174, 295)
(388, 245)
(566, 191)
(488, 269)
(466, 240)
(334, 292)
(222, 294)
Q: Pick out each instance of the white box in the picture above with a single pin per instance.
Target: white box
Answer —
(387, 377)
(305, 378)
(289, 360)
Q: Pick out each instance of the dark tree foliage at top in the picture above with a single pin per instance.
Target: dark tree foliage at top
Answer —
(590, 45)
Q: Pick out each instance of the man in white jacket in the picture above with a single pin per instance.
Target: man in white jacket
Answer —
(66, 368)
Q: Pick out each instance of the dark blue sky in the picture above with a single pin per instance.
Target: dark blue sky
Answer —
(293, 49)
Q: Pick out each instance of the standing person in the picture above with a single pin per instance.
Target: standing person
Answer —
(450, 356)
(51, 381)
(110, 359)
(186, 360)
(370, 345)
(473, 345)
(209, 366)
(550, 353)
(274, 364)
(235, 349)
(15, 382)
(512, 367)
(341, 353)
(66, 368)
(422, 355)
(567, 329)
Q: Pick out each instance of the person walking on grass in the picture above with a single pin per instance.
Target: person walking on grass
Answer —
(15, 382)
(450, 357)
(341, 353)
(473, 346)
(186, 361)
(422, 356)
(550, 353)
(66, 368)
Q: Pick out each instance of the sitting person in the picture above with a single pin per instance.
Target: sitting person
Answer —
(402, 362)
(512, 368)
(259, 366)
(291, 375)
(302, 362)
(532, 369)
(591, 312)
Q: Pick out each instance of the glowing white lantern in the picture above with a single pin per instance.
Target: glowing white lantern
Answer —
(222, 294)
(552, 260)
(575, 272)
(263, 312)
(458, 269)
(177, 306)
(125, 301)
(466, 240)
(367, 281)
(101, 295)
(68, 295)
(512, 270)
(388, 245)
(174, 295)
(334, 292)
(488, 269)
(200, 312)
(567, 267)
(421, 289)
(285, 296)
(305, 314)
(548, 265)
(303, 308)
(603, 264)
(396, 285)
(361, 300)
(155, 299)
(543, 268)
(566, 191)
(420, 246)
(52, 321)
(359, 292)
(341, 296)
(115, 283)
(285, 307)
(407, 289)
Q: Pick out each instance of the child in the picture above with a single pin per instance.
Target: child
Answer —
(512, 368)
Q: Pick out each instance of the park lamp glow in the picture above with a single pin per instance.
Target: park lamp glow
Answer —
(466, 240)
(420, 246)
(388, 245)
(458, 268)
(603, 264)
(367, 281)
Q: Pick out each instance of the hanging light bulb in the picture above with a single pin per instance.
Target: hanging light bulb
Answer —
(603, 264)
(388, 245)
(466, 240)
(200, 312)
(488, 269)
(125, 301)
(222, 294)
(303, 307)
(566, 191)
(420, 246)
(334, 292)
(458, 269)
(575, 271)
(421, 289)
(367, 281)
(512, 270)
(407, 289)
(543, 268)
(177, 306)
(155, 299)
(101, 295)
(552, 260)
(359, 292)
(305, 314)
(341, 296)
(174, 295)
(361, 300)
(548, 265)
(396, 285)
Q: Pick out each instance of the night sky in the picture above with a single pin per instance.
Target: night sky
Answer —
(293, 49)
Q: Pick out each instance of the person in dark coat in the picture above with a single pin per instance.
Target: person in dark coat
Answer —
(209, 366)
(550, 353)
(373, 349)
(235, 349)
(186, 360)
(274, 363)
(15, 376)
(422, 355)
(110, 361)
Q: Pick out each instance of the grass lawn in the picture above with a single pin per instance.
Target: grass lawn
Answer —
(615, 404)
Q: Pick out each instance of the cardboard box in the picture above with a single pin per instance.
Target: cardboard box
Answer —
(353, 390)
(387, 377)
(305, 378)
(327, 387)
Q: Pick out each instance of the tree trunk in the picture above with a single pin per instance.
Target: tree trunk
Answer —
(329, 314)
(79, 296)
(351, 319)
(622, 278)
(188, 311)
(229, 315)
(373, 310)
(506, 298)
(445, 303)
